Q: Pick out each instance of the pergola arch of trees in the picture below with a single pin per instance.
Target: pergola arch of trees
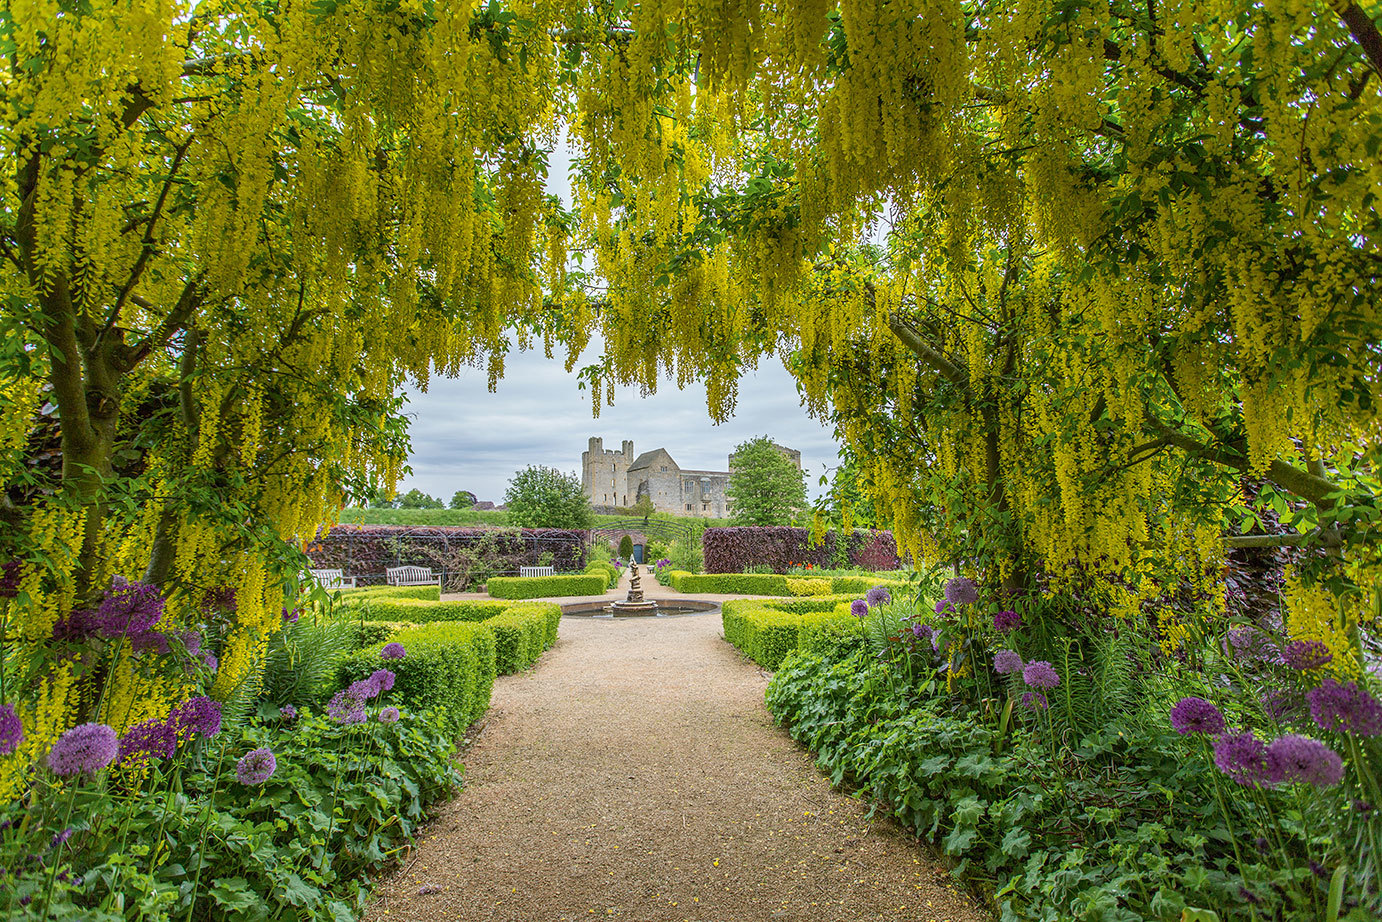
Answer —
(1090, 290)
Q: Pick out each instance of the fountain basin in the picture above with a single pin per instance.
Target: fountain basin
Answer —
(662, 608)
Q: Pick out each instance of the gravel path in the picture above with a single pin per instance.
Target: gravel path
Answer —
(635, 774)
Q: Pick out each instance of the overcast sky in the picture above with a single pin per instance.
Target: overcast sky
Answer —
(465, 438)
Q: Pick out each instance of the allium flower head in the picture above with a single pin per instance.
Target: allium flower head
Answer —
(1345, 708)
(11, 730)
(1249, 643)
(961, 591)
(1243, 758)
(144, 742)
(191, 641)
(200, 716)
(77, 625)
(256, 766)
(363, 689)
(131, 609)
(858, 608)
(1040, 674)
(1034, 701)
(288, 713)
(86, 748)
(210, 661)
(1006, 662)
(1196, 715)
(946, 608)
(878, 595)
(383, 680)
(393, 651)
(389, 715)
(346, 708)
(291, 616)
(1006, 621)
(150, 642)
(1306, 654)
(921, 631)
(1300, 758)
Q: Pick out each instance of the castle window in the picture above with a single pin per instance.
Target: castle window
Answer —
(688, 507)
(664, 467)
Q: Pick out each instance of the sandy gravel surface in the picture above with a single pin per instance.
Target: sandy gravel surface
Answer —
(635, 774)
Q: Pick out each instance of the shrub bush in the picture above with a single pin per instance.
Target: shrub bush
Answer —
(809, 586)
(522, 633)
(604, 568)
(545, 587)
(731, 583)
(767, 631)
(417, 611)
(862, 584)
(426, 593)
(731, 550)
(449, 666)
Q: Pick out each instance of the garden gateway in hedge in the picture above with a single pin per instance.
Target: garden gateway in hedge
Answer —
(1089, 291)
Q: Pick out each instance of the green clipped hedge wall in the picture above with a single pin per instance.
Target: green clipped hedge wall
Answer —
(367, 633)
(730, 583)
(449, 665)
(862, 584)
(522, 633)
(604, 568)
(766, 633)
(416, 610)
(544, 587)
(426, 593)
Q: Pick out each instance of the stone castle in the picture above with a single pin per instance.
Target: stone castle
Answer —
(618, 478)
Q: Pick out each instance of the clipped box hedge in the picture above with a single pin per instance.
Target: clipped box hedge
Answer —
(426, 593)
(730, 583)
(809, 586)
(607, 569)
(544, 587)
(450, 666)
(522, 633)
(416, 610)
(862, 584)
(766, 632)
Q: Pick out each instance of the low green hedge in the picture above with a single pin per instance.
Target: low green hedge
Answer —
(730, 583)
(604, 568)
(522, 633)
(419, 611)
(544, 587)
(766, 633)
(427, 593)
(806, 587)
(862, 584)
(366, 633)
(448, 665)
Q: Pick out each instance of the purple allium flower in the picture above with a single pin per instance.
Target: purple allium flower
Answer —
(11, 730)
(77, 625)
(1346, 708)
(200, 716)
(346, 708)
(389, 715)
(1006, 662)
(291, 617)
(383, 680)
(191, 641)
(945, 608)
(922, 631)
(1196, 715)
(130, 609)
(1306, 654)
(256, 766)
(364, 689)
(152, 739)
(150, 642)
(961, 591)
(85, 748)
(392, 651)
(1249, 643)
(288, 713)
(210, 661)
(61, 837)
(1005, 621)
(878, 595)
(1243, 758)
(9, 579)
(1300, 758)
(1281, 704)
(1034, 701)
(858, 608)
(1040, 674)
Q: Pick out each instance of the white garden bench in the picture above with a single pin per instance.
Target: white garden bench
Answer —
(333, 579)
(536, 571)
(411, 576)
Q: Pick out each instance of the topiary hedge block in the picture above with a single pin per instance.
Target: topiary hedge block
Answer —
(448, 665)
(522, 633)
(418, 611)
(609, 571)
(426, 593)
(545, 587)
(732, 583)
(809, 586)
(767, 634)
(862, 584)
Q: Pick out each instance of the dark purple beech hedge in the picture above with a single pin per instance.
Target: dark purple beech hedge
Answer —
(365, 551)
(730, 550)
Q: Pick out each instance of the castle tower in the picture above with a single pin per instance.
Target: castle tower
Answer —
(604, 473)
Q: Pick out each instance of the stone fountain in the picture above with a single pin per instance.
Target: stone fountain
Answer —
(635, 604)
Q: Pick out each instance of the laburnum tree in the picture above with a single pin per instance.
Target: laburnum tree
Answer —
(765, 487)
